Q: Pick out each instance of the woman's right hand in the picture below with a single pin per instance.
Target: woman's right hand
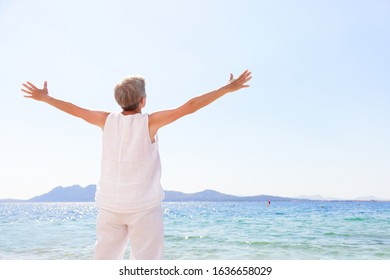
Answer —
(34, 92)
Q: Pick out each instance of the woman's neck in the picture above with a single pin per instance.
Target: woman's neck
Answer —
(126, 113)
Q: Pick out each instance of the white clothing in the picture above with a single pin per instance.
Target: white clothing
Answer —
(130, 168)
(144, 229)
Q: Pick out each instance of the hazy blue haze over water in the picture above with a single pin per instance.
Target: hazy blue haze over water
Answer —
(212, 230)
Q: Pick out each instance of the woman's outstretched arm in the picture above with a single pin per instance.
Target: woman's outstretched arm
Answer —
(97, 118)
(162, 118)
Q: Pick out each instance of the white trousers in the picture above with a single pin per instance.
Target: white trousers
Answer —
(145, 230)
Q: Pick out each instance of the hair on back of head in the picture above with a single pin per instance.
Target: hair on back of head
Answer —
(129, 92)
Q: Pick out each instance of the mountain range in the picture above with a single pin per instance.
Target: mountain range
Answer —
(76, 193)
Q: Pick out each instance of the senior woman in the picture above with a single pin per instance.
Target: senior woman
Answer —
(129, 192)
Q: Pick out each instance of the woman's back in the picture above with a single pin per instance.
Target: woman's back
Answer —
(131, 167)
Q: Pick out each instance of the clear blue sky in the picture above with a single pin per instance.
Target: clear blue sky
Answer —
(316, 119)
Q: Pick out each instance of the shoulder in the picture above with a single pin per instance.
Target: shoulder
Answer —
(104, 118)
(165, 117)
(112, 114)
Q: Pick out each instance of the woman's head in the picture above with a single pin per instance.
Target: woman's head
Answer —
(129, 92)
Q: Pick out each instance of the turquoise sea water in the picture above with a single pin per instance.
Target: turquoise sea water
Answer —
(212, 230)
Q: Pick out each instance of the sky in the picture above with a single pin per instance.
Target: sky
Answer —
(314, 121)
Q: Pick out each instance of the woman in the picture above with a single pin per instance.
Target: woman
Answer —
(129, 192)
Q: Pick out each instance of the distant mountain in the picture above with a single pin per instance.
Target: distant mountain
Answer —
(210, 195)
(368, 198)
(317, 197)
(321, 198)
(73, 193)
(76, 193)
(10, 200)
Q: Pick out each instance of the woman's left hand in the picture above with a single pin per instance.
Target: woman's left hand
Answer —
(239, 83)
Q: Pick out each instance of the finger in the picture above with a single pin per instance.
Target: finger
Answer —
(245, 79)
(248, 79)
(31, 85)
(28, 87)
(243, 74)
(45, 86)
(26, 91)
(27, 96)
(243, 82)
(248, 73)
(231, 77)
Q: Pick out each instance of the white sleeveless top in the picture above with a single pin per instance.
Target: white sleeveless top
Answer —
(131, 167)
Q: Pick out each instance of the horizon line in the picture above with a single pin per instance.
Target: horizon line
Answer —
(316, 197)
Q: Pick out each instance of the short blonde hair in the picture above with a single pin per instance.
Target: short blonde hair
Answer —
(129, 92)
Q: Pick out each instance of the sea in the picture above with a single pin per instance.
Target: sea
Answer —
(286, 230)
